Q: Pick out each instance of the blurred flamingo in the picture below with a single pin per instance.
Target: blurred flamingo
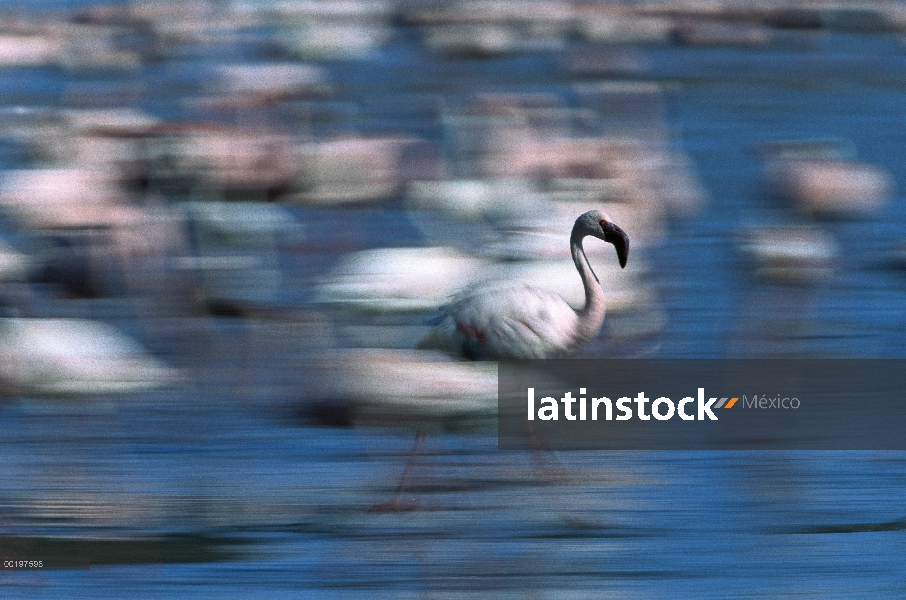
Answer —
(518, 321)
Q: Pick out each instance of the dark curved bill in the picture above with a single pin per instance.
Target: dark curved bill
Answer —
(620, 241)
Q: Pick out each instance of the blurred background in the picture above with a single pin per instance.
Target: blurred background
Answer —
(224, 226)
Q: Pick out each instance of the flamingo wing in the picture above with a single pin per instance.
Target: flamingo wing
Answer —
(510, 320)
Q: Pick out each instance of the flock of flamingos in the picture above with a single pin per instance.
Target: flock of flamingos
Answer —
(514, 169)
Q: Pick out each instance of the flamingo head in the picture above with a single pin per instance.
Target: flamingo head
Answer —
(599, 225)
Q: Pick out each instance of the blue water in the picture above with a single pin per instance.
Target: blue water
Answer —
(223, 455)
(727, 101)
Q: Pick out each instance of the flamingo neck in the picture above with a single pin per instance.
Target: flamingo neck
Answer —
(591, 316)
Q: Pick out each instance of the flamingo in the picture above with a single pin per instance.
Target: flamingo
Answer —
(74, 357)
(513, 320)
(518, 321)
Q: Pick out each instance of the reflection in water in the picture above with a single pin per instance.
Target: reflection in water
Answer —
(223, 227)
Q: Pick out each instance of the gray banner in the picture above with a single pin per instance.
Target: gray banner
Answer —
(793, 404)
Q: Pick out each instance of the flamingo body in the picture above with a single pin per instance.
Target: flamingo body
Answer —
(519, 321)
(74, 357)
(511, 320)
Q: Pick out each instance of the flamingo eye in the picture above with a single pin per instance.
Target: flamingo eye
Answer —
(603, 224)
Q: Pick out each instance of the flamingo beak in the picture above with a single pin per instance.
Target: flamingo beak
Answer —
(619, 239)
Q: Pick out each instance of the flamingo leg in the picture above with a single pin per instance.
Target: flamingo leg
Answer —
(556, 476)
(541, 449)
(395, 504)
